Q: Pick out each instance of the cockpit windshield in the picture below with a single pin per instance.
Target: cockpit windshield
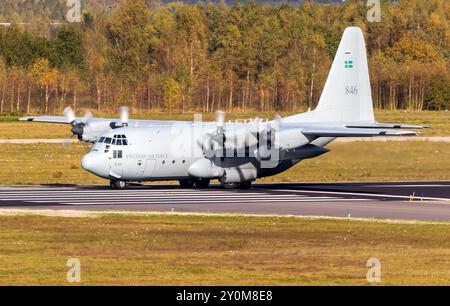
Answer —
(118, 140)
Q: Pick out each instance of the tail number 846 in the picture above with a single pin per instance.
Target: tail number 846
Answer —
(351, 90)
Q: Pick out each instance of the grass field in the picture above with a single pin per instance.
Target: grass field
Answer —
(192, 250)
(347, 162)
(11, 129)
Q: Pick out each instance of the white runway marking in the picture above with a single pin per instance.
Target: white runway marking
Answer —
(72, 196)
(296, 199)
(321, 200)
(416, 197)
(401, 186)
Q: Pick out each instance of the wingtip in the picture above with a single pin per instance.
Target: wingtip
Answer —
(26, 119)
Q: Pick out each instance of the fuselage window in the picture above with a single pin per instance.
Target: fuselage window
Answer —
(113, 142)
(125, 142)
(117, 154)
(119, 142)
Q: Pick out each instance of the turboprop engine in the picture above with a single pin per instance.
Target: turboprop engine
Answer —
(260, 138)
(89, 130)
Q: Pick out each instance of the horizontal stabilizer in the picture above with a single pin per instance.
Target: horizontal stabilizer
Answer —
(351, 132)
(47, 119)
(377, 125)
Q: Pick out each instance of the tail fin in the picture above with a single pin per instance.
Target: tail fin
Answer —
(347, 95)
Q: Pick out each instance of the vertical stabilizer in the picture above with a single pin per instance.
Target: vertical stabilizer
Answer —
(347, 95)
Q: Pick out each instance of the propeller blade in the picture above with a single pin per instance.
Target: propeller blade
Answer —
(124, 115)
(69, 114)
(87, 117)
(220, 119)
(67, 143)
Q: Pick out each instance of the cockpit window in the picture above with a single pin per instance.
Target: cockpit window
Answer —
(120, 140)
(102, 139)
(108, 140)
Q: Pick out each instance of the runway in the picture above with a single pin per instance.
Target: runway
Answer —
(411, 201)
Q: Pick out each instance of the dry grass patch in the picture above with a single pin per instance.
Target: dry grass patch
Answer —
(194, 250)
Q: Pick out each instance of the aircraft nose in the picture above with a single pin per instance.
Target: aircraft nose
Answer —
(88, 162)
(93, 163)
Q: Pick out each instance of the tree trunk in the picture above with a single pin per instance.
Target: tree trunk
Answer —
(12, 96)
(230, 98)
(29, 99)
(247, 93)
(47, 96)
(311, 89)
(18, 98)
(2, 102)
(207, 94)
(75, 98)
(261, 99)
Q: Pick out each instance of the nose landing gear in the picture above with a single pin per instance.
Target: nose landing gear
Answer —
(119, 185)
(198, 183)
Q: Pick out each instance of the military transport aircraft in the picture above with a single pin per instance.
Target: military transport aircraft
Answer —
(235, 153)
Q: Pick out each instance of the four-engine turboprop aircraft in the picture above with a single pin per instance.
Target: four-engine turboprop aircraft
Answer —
(236, 154)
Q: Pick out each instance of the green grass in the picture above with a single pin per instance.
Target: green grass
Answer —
(189, 250)
(11, 129)
(347, 162)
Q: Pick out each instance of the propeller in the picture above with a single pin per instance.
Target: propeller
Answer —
(268, 138)
(215, 140)
(220, 120)
(77, 125)
(69, 114)
(124, 112)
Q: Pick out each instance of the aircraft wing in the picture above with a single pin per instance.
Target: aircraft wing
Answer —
(352, 132)
(63, 120)
(47, 119)
(376, 125)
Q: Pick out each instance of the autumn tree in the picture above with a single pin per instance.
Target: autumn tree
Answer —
(45, 77)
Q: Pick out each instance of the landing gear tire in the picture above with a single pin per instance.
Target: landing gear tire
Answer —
(245, 185)
(202, 183)
(120, 185)
(186, 184)
(229, 185)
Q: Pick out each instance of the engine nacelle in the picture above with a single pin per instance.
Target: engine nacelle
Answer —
(205, 168)
(239, 175)
(92, 131)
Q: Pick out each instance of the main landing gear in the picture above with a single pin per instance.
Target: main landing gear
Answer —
(243, 185)
(198, 183)
(119, 185)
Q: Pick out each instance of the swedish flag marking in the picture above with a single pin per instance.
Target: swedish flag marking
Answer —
(348, 64)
